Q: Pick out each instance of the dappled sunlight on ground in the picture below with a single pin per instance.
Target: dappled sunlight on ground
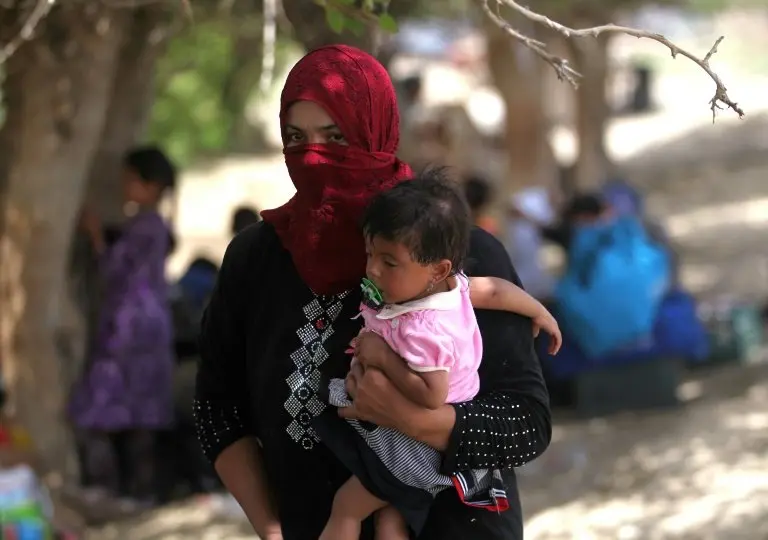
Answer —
(192, 519)
(700, 472)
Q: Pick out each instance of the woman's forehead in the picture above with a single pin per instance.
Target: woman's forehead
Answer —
(308, 115)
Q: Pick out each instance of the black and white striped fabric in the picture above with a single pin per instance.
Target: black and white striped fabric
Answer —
(418, 465)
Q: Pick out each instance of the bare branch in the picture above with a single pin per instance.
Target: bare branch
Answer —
(41, 9)
(269, 38)
(566, 72)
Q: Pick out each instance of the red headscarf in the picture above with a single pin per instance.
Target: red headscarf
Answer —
(320, 225)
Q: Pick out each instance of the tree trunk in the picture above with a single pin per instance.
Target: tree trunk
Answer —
(244, 75)
(127, 118)
(56, 94)
(311, 29)
(129, 110)
(592, 165)
(517, 74)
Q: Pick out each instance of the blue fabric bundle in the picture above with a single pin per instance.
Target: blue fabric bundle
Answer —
(614, 285)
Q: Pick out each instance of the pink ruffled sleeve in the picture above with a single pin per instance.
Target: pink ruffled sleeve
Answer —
(424, 346)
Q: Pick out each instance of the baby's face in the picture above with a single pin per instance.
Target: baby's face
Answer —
(394, 272)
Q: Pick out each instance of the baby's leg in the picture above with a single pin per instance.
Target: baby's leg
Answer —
(390, 525)
(351, 506)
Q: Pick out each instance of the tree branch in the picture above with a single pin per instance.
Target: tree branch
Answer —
(41, 9)
(563, 68)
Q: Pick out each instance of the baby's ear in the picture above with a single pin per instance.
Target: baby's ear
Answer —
(442, 270)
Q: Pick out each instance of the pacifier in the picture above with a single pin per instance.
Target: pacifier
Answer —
(371, 295)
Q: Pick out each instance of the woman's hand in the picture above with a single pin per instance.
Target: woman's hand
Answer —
(547, 322)
(377, 400)
(273, 532)
(356, 371)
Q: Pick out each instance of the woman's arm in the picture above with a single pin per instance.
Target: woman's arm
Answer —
(511, 413)
(224, 426)
(510, 416)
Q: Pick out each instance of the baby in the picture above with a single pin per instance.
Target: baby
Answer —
(422, 305)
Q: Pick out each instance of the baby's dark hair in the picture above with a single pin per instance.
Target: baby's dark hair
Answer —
(151, 165)
(428, 214)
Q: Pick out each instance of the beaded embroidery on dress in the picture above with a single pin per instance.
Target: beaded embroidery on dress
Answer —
(303, 404)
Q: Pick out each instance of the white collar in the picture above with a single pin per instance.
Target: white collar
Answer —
(444, 301)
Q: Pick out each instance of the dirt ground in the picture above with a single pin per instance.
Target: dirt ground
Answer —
(698, 472)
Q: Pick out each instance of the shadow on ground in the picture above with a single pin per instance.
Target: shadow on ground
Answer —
(699, 472)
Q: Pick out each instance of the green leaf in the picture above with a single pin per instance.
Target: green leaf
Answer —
(388, 23)
(335, 19)
(344, 2)
(356, 27)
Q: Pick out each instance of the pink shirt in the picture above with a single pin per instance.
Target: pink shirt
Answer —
(438, 332)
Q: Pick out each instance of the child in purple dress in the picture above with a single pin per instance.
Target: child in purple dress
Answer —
(124, 396)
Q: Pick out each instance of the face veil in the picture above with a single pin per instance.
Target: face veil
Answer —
(320, 225)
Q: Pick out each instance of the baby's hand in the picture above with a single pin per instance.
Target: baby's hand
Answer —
(545, 321)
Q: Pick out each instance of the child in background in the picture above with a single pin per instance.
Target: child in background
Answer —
(420, 302)
(124, 397)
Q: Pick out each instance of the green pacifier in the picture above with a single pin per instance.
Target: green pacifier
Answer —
(372, 294)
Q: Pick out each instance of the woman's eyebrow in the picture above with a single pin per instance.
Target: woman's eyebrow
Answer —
(327, 127)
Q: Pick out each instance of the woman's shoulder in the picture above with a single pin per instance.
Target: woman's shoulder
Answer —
(483, 243)
(254, 240)
(488, 257)
(252, 251)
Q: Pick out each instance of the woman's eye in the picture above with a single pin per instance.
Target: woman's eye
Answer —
(337, 138)
(390, 264)
(295, 137)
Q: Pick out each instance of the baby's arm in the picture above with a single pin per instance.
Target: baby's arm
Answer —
(428, 389)
(502, 295)
(422, 367)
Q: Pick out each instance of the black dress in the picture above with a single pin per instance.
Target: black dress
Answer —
(267, 341)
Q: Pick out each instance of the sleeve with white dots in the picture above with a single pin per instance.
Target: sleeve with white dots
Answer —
(221, 408)
(508, 423)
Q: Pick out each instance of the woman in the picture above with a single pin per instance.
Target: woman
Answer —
(124, 397)
(282, 315)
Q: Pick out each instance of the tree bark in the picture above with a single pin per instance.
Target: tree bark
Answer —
(130, 106)
(517, 75)
(127, 119)
(592, 165)
(56, 94)
(243, 77)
